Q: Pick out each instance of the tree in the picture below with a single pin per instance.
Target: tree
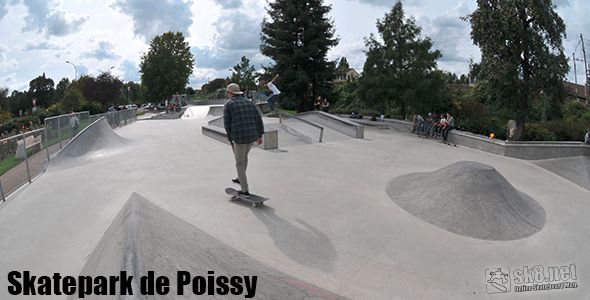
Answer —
(105, 89)
(166, 67)
(214, 85)
(398, 72)
(4, 104)
(342, 69)
(134, 92)
(244, 75)
(42, 89)
(522, 54)
(297, 36)
(60, 89)
(72, 99)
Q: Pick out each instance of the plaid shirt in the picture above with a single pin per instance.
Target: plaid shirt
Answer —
(242, 121)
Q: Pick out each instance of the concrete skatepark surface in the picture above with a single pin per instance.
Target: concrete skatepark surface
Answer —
(329, 224)
(470, 199)
(575, 169)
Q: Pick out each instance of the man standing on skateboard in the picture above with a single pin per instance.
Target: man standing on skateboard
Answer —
(244, 126)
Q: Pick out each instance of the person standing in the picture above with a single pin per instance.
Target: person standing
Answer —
(243, 125)
(74, 123)
(449, 125)
(275, 92)
(587, 137)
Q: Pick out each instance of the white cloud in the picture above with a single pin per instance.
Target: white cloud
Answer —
(53, 22)
(154, 17)
(43, 45)
(3, 8)
(238, 31)
(130, 71)
(229, 4)
(104, 51)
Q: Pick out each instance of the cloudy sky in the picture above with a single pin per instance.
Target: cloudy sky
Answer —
(38, 36)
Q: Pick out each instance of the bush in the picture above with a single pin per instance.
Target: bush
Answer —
(537, 132)
(92, 107)
(566, 130)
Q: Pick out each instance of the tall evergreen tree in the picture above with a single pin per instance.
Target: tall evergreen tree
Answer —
(244, 74)
(398, 73)
(522, 54)
(166, 67)
(297, 36)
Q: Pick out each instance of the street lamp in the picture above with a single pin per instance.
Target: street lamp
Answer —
(75, 70)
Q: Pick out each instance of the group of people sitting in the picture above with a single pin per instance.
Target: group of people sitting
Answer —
(434, 125)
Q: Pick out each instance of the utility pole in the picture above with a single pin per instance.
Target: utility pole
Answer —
(585, 66)
(575, 71)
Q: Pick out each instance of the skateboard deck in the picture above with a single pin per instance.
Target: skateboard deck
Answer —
(254, 200)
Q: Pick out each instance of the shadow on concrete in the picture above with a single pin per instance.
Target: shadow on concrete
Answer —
(309, 247)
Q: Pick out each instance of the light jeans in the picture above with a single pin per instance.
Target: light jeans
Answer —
(241, 154)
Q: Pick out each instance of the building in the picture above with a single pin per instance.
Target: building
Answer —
(349, 76)
(576, 91)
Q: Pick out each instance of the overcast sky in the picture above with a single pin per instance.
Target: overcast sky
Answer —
(38, 36)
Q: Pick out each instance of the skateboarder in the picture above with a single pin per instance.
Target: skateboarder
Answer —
(244, 126)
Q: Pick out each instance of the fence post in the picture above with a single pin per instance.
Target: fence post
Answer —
(2, 192)
(46, 143)
(59, 132)
(26, 157)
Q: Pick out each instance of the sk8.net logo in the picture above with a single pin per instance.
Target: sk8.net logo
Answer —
(497, 280)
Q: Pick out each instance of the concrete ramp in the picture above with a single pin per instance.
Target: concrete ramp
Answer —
(469, 199)
(195, 112)
(215, 110)
(96, 141)
(575, 169)
(144, 237)
(341, 125)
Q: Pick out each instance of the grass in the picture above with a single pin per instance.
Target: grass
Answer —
(8, 163)
(11, 161)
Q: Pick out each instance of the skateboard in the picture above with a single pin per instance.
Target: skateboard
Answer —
(254, 200)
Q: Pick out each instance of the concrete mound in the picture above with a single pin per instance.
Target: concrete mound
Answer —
(469, 199)
(144, 237)
(96, 141)
(575, 169)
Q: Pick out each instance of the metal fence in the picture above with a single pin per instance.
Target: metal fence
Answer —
(60, 129)
(24, 156)
(117, 118)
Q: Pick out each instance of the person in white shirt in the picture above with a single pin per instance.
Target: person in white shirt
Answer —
(587, 137)
(275, 92)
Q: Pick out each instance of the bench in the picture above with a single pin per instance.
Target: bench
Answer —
(31, 143)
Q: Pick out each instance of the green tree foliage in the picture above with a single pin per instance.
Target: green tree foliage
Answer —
(134, 92)
(214, 85)
(398, 74)
(20, 103)
(60, 89)
(42, 88)
(105, 89)
(244, 75)
(297, 36)
(522, 54)
(72, 99)
(166, 67)
(4, 104)
(342, 69)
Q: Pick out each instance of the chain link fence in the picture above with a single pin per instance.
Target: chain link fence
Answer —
(24, 156)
